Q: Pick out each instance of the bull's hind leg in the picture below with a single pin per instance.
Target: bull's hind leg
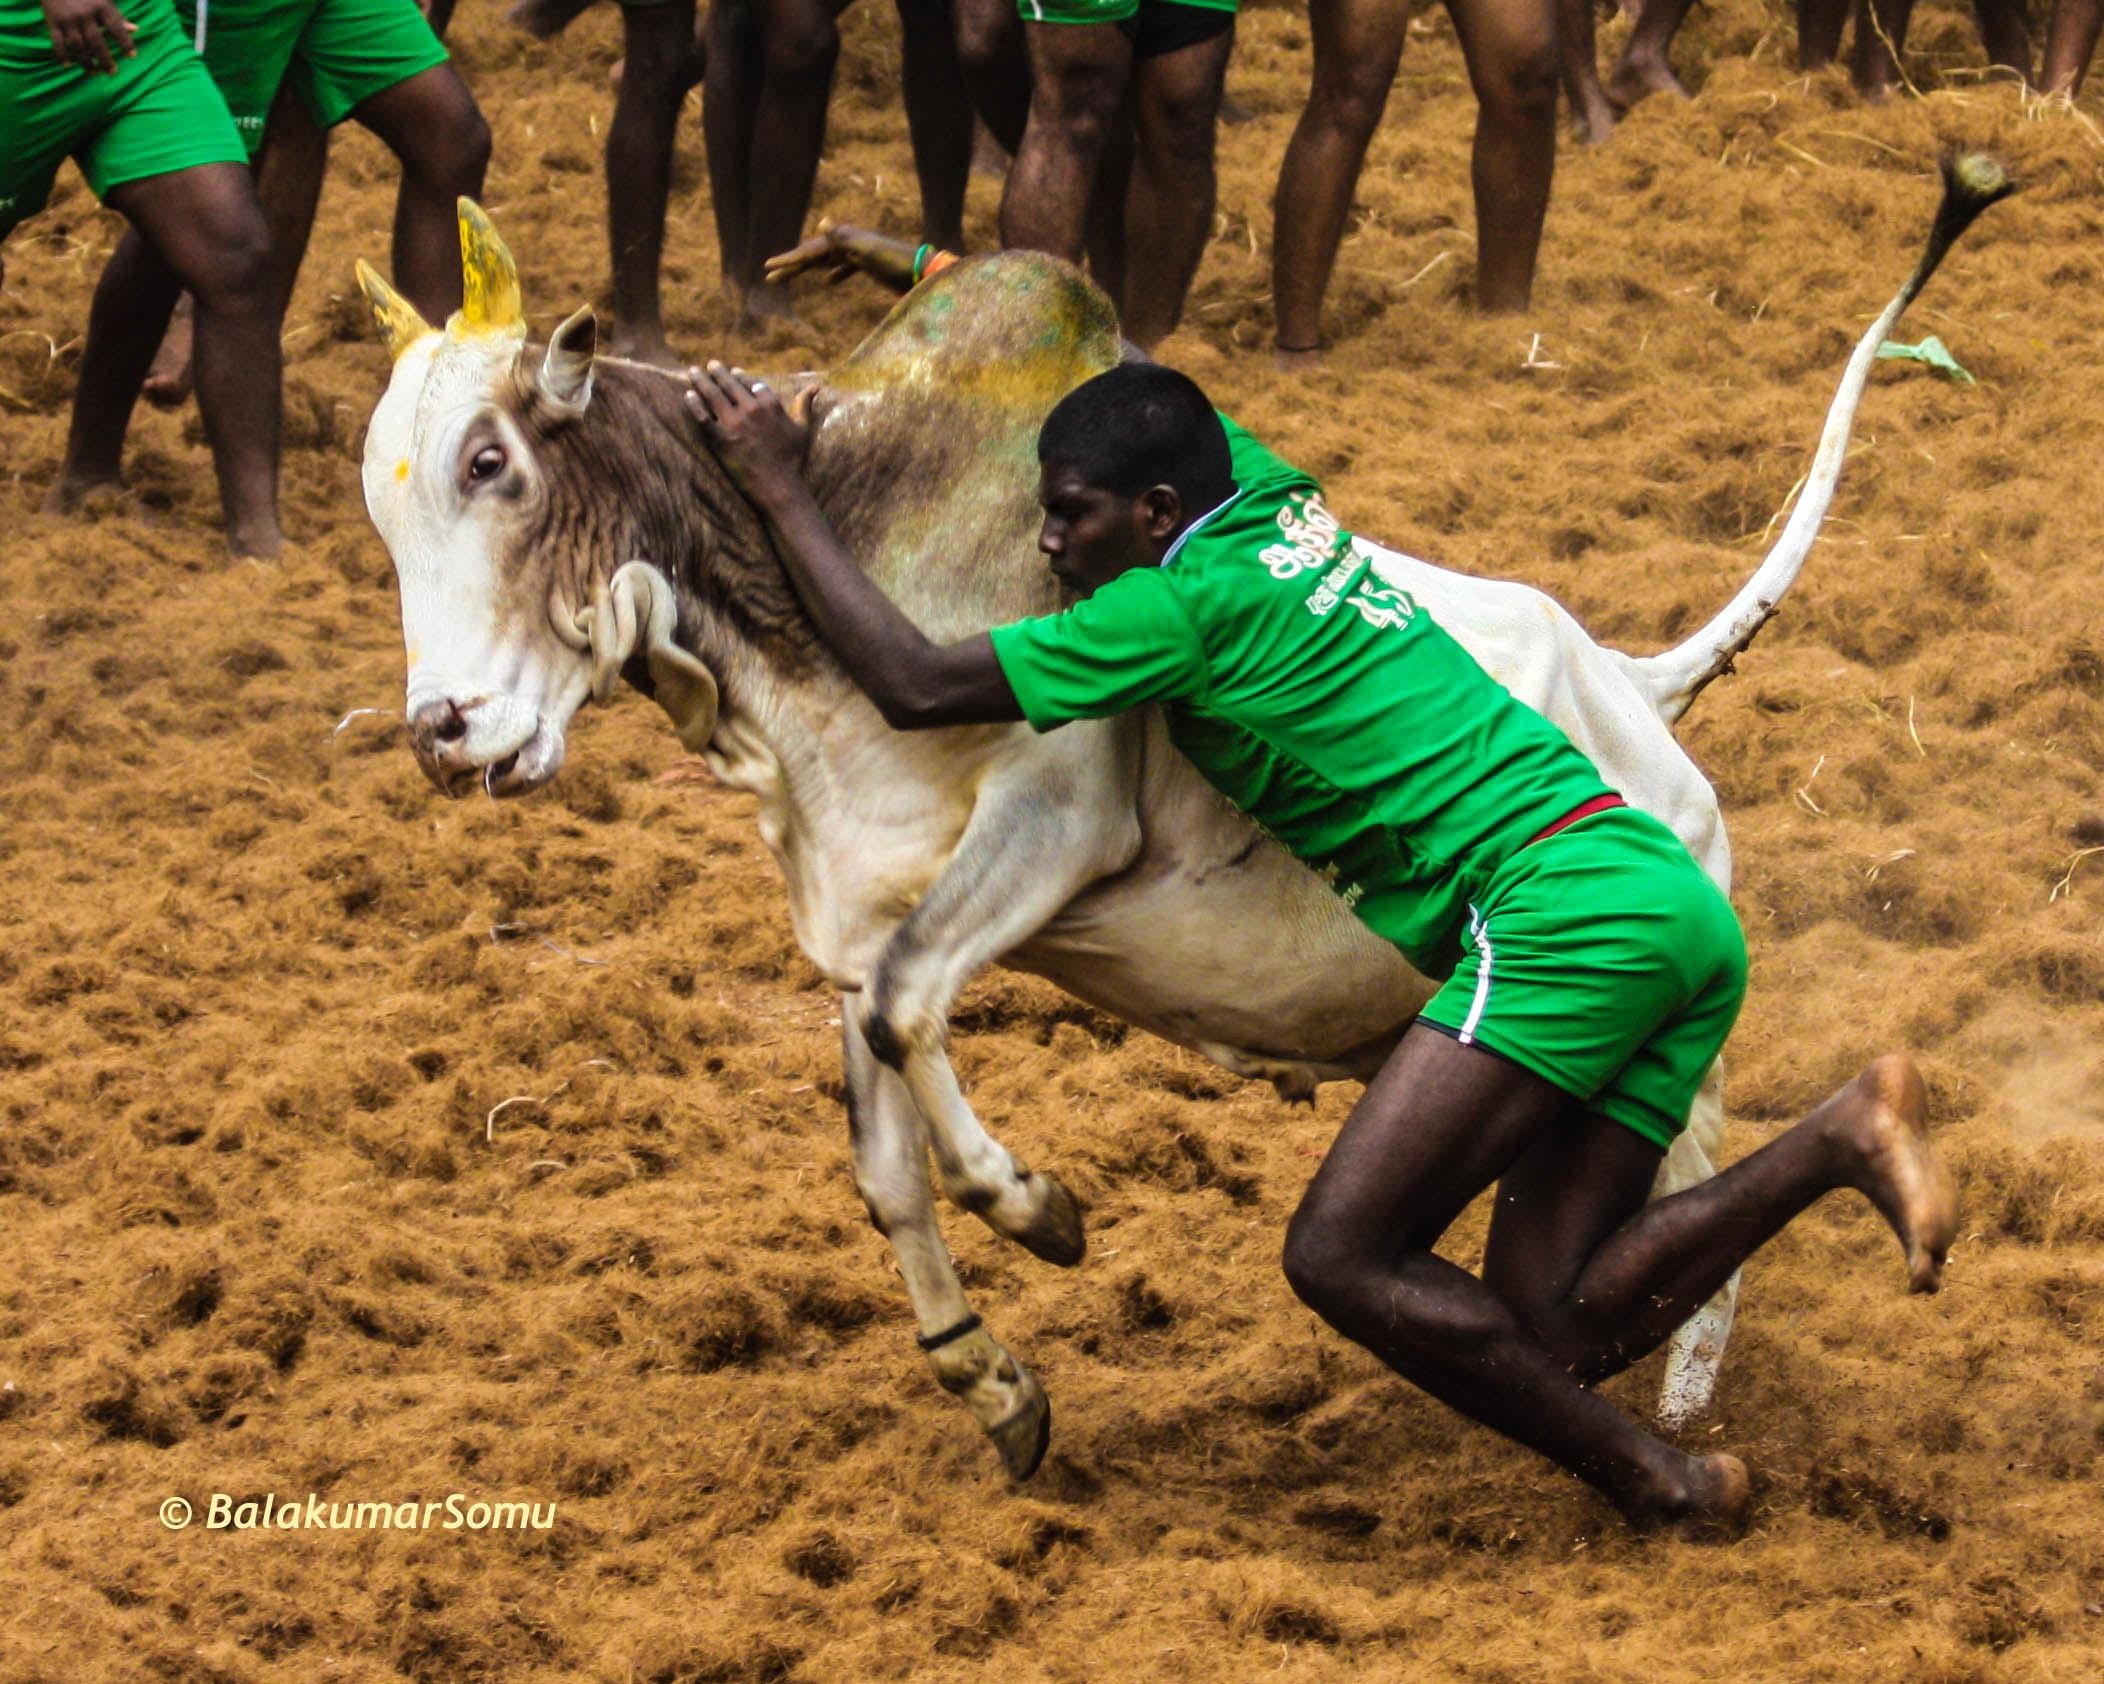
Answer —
(891, 1172)
(1696, 1350)
(1035, 840)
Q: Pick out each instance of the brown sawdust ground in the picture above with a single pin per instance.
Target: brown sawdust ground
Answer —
(260, 990)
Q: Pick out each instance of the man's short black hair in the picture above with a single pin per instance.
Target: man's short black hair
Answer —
(1140, 425)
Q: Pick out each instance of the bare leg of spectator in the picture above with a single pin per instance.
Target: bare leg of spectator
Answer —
(658, 42)
(1080, 73)
(2071, 40)
(938, 118)
(1510, 48)
(1593, 116)
(1643, 67)
(202, 229)
(1169, 207)
(1358, 44)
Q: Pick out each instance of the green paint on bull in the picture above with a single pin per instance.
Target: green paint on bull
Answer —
(926, 445)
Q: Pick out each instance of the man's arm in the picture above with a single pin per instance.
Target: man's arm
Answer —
(914, 682)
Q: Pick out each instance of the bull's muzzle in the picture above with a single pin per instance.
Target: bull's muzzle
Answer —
(499, 742)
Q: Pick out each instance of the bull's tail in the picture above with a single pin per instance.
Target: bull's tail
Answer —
(1676, 677)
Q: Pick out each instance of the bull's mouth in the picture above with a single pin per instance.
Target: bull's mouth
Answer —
(520, 772)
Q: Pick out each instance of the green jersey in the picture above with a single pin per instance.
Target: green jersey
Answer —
(1321, 699)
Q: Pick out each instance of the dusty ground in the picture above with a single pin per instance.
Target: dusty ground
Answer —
(261, 992)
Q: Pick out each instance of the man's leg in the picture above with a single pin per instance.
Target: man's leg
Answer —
(1590, 110)
(996, 67)
(289, 166)
(1581, 1275)
(938, 117)
(1169, 205)
(1602, 1276)
(1643, 67)
(1820, 24)
(2071, 39)
(206, 232)
(658, 44)
(1881, 35)
(770, 76)
(431, 124)
(2005, 31)
(1437, 1125)
(1510, 47)
(545, 19)
(133, 298)
(1358, 44)
(1080, 73)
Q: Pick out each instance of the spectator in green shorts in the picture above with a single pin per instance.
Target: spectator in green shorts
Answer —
(1090, 62)
(289, 71)
(122, 94)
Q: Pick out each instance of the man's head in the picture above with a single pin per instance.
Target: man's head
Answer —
(1128, 460)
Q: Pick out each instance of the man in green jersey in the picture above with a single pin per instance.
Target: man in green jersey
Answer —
(119, 90)
(1591, 969)
(375, 60)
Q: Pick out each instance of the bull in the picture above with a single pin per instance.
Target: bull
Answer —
(557, 526)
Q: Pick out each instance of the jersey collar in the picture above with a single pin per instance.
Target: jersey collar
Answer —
(1171, 553)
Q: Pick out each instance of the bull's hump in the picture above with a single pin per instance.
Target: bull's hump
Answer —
(1012, 330)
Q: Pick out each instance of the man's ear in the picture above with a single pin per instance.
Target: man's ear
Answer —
(1163, 511)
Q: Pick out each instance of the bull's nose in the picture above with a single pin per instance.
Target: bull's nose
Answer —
(437, 725)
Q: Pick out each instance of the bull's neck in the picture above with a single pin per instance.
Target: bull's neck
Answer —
(667, 500)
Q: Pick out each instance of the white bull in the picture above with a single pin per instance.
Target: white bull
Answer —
(555, 523)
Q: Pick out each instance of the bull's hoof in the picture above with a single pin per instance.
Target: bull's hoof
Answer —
(1025, 1433)
(1055, 1233)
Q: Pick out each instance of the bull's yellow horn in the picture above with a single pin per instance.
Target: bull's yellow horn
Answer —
(394, 315)
(489, 279)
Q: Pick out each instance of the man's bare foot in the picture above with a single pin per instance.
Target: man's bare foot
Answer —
(71, 491)
(545, 19)
(167, 383)
(257, 540)
(1881, 1118)
(1637, 74)
(1705, 1502)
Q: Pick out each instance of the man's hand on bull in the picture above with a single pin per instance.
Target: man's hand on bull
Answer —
(838, 251)
(914, 682)
(753, 436)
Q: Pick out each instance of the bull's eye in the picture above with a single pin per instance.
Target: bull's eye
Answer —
(487, 464)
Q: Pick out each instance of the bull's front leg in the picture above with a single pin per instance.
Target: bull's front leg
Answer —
(891, 1172)
(1036, 838)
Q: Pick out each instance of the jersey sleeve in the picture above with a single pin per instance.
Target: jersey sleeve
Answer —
(1129, 644)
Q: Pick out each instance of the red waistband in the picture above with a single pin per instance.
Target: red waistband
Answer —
(1584, 810)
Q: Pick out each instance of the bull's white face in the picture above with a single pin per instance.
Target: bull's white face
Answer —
(517, 601)
(452, 485)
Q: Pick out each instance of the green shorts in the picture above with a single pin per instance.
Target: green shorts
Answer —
(336, 53)
(1604, 960)
(159, 113)
(1105, 11)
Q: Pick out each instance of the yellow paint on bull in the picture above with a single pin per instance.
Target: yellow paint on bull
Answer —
(490, 302)
(398, 321)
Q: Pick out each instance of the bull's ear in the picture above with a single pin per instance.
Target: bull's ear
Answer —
(489, 279)
(566, 371)
(394, 315)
